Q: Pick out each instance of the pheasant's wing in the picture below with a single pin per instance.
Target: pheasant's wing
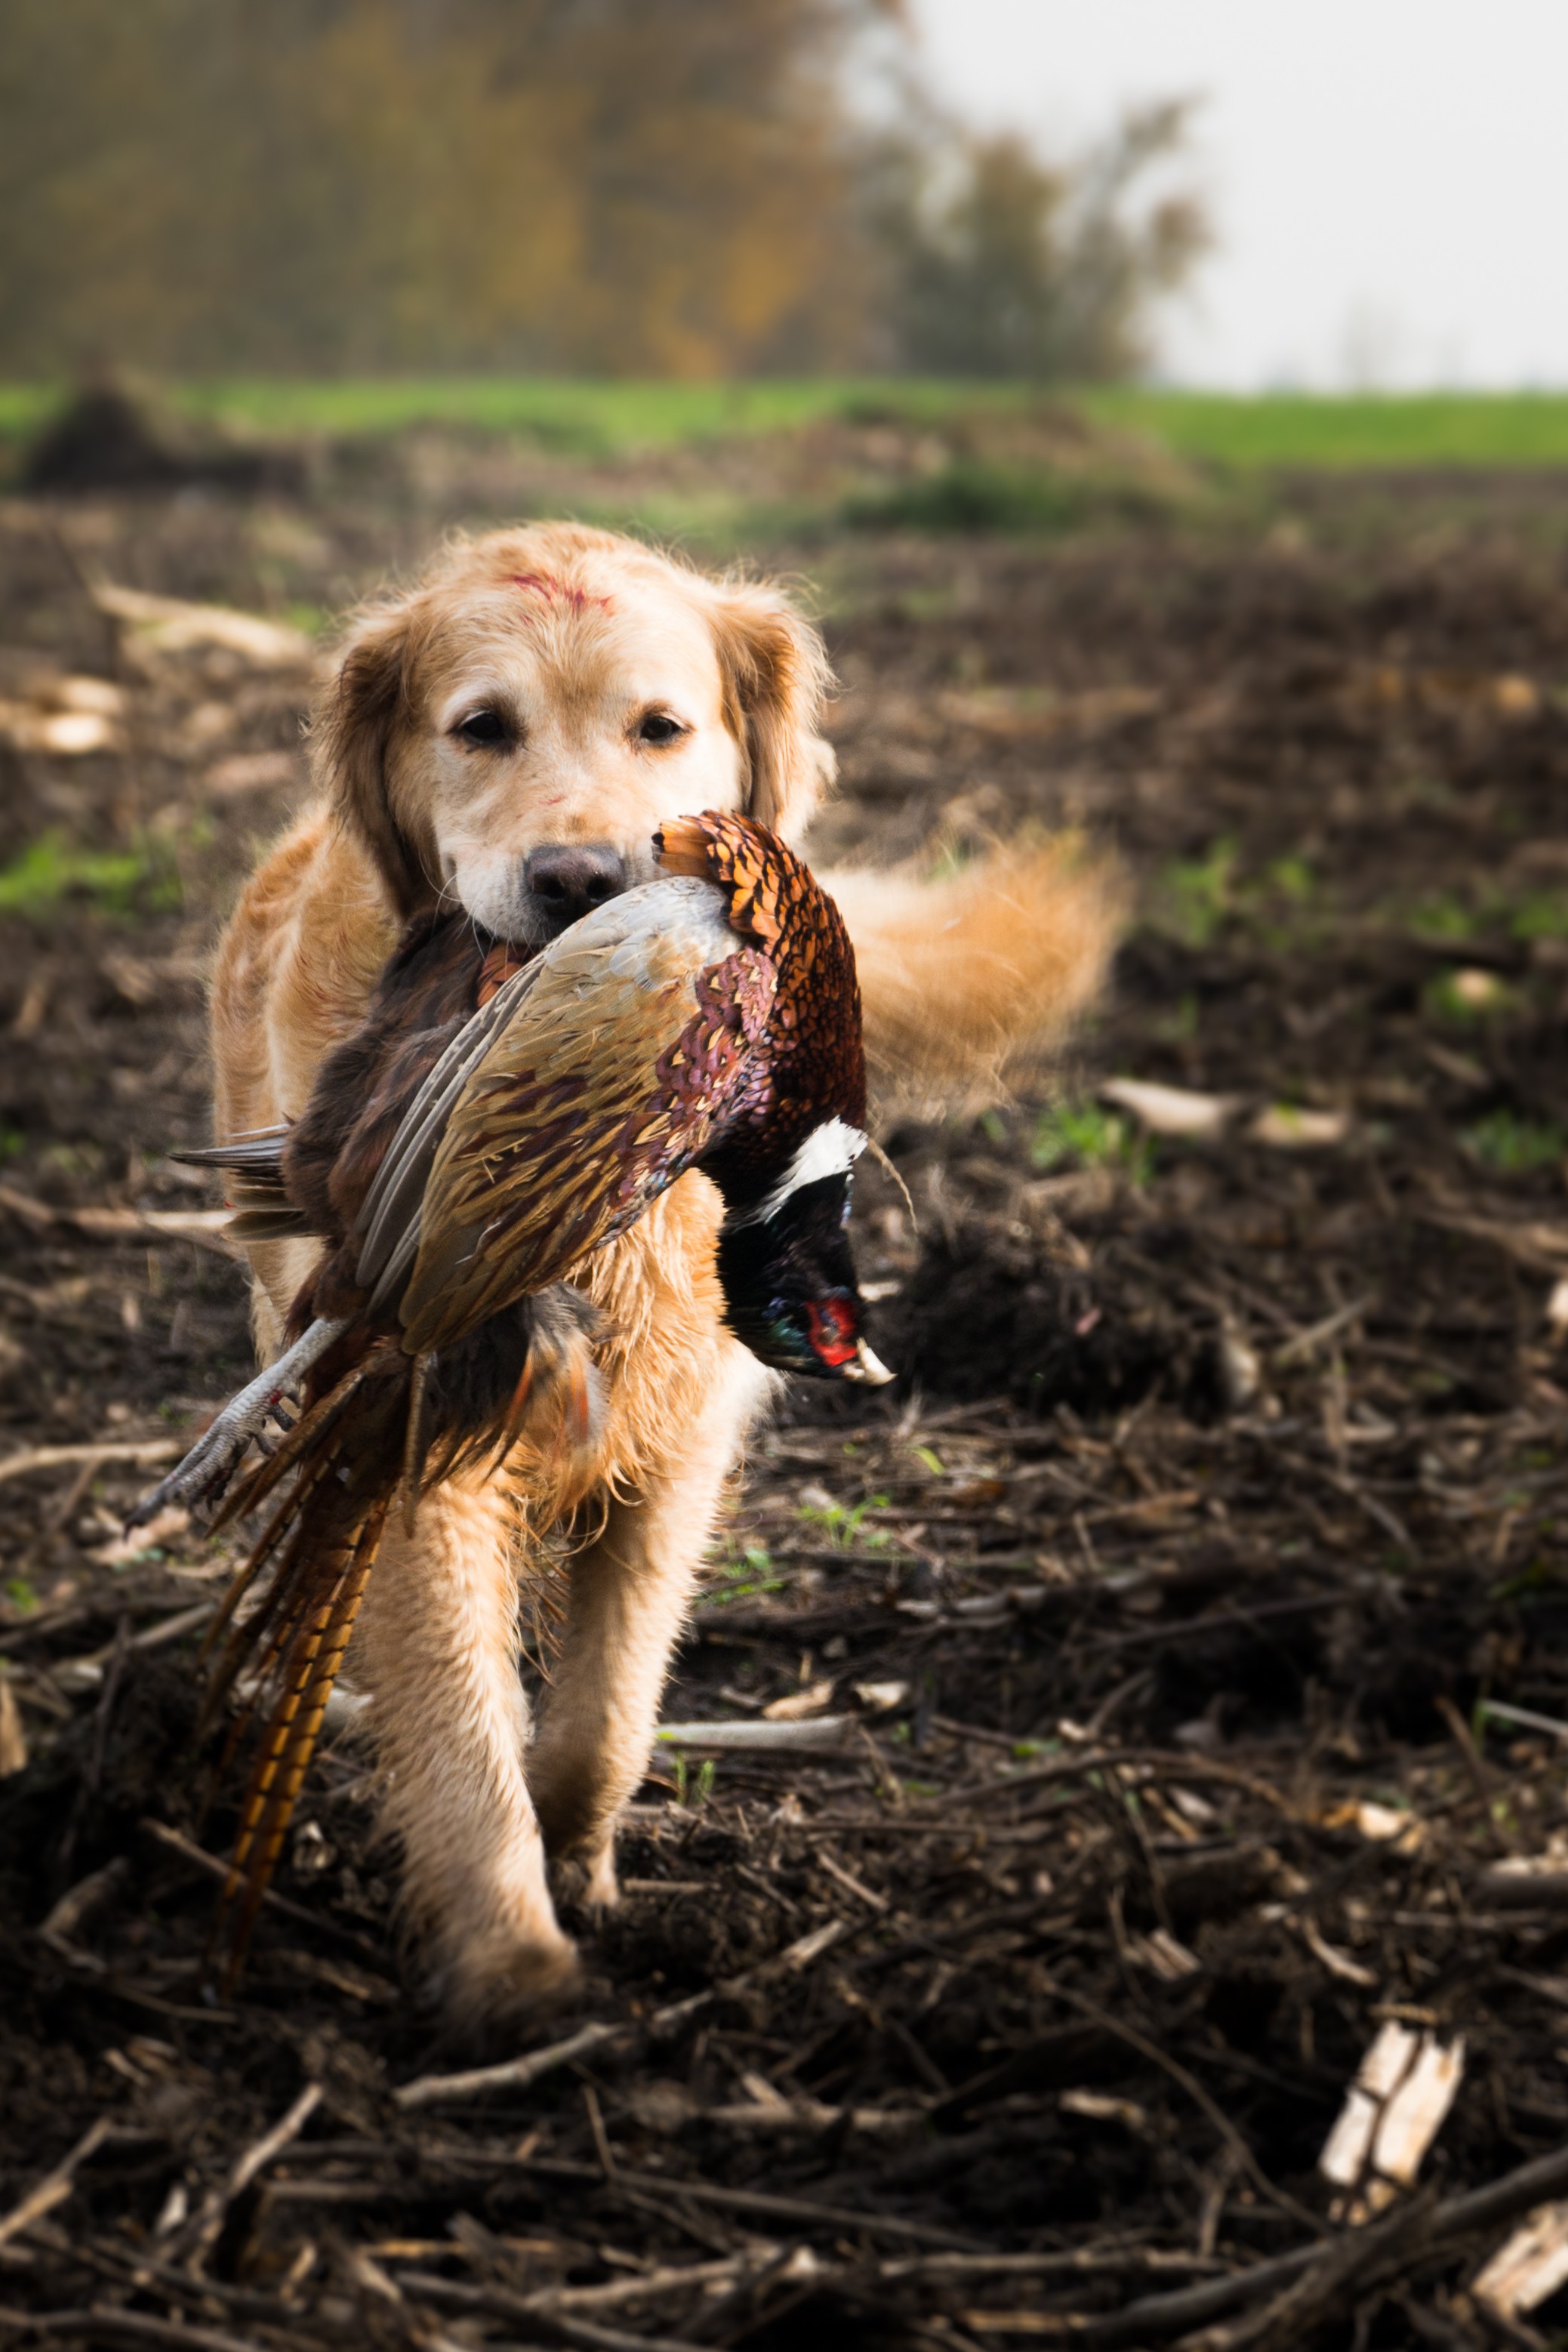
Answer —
(632, 1045)
(391, 1207)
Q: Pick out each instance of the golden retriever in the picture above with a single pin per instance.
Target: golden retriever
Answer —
(508, 735)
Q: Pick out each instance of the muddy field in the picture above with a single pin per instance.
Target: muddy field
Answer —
(1183, 1642)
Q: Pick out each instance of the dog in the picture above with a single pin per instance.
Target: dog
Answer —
(505, 736)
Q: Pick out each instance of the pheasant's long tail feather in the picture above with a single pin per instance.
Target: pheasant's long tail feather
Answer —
(267, 1547)
(311, 1651)
(319, 1541)
(377, 1425)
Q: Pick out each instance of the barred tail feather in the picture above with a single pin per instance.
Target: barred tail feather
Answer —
(311, 1661)
(376, 1426)
(321, 1543)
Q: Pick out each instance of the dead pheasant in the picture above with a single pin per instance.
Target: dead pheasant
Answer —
(489, 1126)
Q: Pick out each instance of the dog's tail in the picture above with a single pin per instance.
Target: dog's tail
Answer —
(968, 980)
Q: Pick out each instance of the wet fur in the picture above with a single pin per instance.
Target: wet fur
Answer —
(957, 978)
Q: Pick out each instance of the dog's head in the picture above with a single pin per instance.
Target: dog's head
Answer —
(508, 735)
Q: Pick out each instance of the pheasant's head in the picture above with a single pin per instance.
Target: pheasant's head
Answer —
(785, 1168)
(786, 1272)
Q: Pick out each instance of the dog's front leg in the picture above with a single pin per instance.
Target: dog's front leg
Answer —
(629, 1594)
(438, 1650)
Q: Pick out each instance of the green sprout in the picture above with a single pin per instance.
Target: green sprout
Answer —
(1515, 1146)
(841, 1524)
(1199, 893)
(1093, 1137)
(744, 1572)
(118, 881)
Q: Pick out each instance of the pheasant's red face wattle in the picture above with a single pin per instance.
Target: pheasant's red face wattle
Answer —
(831, 1329)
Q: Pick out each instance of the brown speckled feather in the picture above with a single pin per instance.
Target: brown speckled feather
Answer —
(630, 1047)
(816, 1058)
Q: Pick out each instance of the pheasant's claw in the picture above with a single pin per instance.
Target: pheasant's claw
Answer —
(201, 1477)
(212, 1462)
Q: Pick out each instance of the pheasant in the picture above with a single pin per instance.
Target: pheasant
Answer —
(492, 1122)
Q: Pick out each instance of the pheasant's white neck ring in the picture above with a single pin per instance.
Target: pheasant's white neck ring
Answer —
(831, 1149)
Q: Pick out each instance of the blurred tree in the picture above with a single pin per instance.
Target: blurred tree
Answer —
(1002, 264)
(660, 187)
(626, 185)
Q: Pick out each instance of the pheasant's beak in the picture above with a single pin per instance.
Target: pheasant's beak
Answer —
(868, 1367)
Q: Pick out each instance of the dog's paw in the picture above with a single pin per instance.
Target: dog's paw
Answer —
(502, 1985)
(601, 1888)
(587, 1882)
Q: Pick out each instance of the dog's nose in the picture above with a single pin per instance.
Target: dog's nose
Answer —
(568, 882)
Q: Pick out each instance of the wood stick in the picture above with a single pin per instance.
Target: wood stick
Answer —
(453, 2294)
(130, 2326)
(1158, 2316)
(813, 1734)
(511, 2073)
(667, 2187)
(1098, 1759)
(517, 2073)
(1090, 2261)
(610, 2294)
(56, 2186)
(143, 1452)
(1180, 2076)
(253, 2161)
(206, 1227)
(211, 1867)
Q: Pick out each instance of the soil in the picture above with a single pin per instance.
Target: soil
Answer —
(1175, 1603)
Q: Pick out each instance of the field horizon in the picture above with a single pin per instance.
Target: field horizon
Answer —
(1225, 431)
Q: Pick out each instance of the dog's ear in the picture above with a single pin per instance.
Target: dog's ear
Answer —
(355, 724)
(776, 679)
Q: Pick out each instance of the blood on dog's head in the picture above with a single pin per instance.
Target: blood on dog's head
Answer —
(509, 734)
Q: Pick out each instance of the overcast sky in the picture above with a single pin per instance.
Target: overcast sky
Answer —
(1389, 177)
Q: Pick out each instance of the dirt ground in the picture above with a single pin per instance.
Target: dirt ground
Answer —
(1187, 1625)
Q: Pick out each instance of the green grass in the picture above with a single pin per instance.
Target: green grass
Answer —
(749, 1571)
(1194, 899)
(1543, 915)
(1243, 433)
(973, 494)
(1194, 896)
(1437, 429)
(598, 419)
(1083, 1135)
(844, 1527)
(1443, 915)
(1515, 1146)
(51, 869)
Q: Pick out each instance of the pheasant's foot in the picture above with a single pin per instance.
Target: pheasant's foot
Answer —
(212, 1462)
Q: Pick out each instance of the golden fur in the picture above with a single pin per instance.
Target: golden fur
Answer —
(575, 636)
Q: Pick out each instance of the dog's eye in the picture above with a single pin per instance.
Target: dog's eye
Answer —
(658, 727)
(482, 727)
